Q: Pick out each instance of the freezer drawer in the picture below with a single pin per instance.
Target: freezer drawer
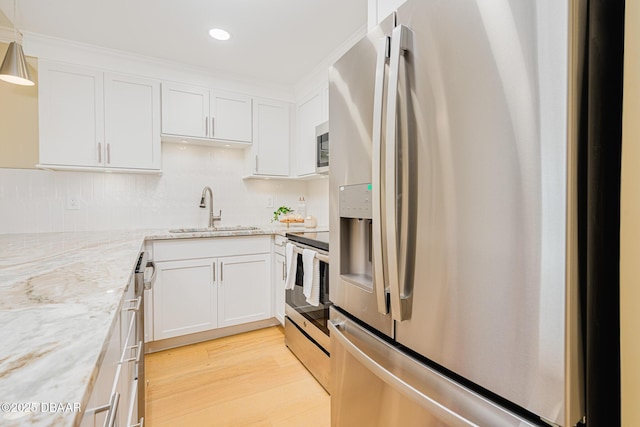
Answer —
(375, 384)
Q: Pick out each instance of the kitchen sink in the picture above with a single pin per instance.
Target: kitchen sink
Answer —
(212, 229)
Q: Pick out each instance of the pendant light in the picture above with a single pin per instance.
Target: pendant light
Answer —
(14, 68)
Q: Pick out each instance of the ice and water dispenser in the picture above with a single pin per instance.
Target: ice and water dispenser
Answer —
(355, 235)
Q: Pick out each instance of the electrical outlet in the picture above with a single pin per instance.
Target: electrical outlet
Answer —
(269, 201)
(73, 202)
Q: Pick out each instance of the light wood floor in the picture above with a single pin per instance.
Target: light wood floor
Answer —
(251, 379)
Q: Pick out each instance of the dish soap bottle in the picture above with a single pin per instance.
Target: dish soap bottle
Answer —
(302, 208)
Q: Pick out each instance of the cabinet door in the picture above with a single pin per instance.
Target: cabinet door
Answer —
(107, 382)
(271, 137)
(184, 298)
(244, 290)
(132, 122)
(231, 117)
(309, 116)
(280, 276)
(71, 115)
(185, 110)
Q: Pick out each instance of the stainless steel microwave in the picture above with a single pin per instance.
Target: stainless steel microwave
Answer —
(322, 148)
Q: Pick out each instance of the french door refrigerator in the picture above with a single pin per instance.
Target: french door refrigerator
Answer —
(453, 207)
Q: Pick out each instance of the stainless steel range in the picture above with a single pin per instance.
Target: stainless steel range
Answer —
(306, 329)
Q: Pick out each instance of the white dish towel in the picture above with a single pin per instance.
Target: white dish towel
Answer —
(291, 258)
(311, 280)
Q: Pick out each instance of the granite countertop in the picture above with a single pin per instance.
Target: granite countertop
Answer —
(59, 296)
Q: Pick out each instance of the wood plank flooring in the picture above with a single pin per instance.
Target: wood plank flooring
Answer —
(251, 379)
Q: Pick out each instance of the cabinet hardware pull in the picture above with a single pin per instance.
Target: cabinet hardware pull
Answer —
(284, 271)
(214, 273)
(135, 307)
(113, 411)
(221, 272)
(138, 349)
(112, 407)
(99, 152)
(256, 163)
(108, 153)
(213, 129)
(206, 126)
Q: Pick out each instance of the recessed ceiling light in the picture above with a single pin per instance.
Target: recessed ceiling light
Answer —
(219, 34)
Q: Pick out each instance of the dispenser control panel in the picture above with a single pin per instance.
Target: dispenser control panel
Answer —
(355, 201)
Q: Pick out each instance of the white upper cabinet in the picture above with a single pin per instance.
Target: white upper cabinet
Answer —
(205, 115)
(95, 120)
(269, 154)
(132, 121)
(185, 110)
(71, 115)
(310, 114)
(230, 117)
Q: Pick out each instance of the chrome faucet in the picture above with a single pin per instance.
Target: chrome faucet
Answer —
(203, 205)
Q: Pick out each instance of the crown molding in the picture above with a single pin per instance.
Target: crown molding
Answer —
(7, 35)
(62, 50)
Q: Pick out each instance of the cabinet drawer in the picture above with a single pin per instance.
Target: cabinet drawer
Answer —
(178, 249)
(279, 243)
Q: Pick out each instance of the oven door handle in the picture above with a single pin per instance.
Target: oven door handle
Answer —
(321, 257)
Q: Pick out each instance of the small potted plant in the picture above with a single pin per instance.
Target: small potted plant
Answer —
(282, 210)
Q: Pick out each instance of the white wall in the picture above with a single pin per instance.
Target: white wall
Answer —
(34, 201)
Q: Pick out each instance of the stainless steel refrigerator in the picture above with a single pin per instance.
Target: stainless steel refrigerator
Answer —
(453, 207)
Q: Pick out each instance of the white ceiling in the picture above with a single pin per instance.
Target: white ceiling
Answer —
(272, 40)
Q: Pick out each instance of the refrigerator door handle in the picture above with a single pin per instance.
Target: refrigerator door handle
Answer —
(440, 411)
(379, 279)
(400, 307)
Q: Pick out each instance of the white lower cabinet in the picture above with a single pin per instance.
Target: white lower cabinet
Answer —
(205, 291)
(115, 390)
(106, 384)
(242, 294)
(279, 278)
(184, 298)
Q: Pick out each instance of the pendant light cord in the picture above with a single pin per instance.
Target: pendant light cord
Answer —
(15, 17)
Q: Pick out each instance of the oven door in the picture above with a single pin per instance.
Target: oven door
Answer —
(313, 320)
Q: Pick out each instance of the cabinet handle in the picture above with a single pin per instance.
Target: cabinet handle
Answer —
(221, 272)
(108, 154)
(139, 348)
(99, 152)
(135, 307)
(214, 273)
(112, 416)
(256, 163)
(284, 271)
(213, 129)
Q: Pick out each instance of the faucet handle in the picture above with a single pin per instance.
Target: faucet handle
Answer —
(219, 217)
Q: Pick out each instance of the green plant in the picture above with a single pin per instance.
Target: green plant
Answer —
(282, 210)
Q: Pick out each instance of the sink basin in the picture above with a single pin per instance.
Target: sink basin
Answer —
(212, 229)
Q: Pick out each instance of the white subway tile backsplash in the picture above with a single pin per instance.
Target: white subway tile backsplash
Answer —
(33, 201)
